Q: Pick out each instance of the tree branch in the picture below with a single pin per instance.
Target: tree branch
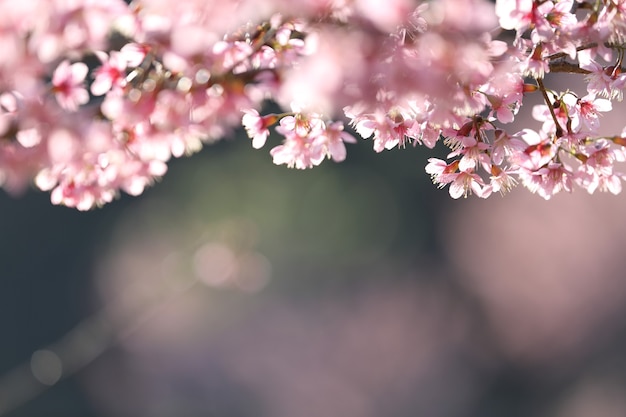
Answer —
(564, 66)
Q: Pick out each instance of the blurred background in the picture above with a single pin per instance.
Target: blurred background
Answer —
(239, 288)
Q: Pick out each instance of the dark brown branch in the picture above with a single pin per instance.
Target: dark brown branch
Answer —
(564, 66)
(559, 129)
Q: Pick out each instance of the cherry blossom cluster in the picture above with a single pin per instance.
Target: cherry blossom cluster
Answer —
(567, 149)
(96, 96)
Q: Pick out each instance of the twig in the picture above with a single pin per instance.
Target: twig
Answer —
(559, 129)
(564, 66)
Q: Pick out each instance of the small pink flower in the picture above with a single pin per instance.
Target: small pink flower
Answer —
(301, 148)
(539, 152)
(257, 126)
(504, 145)
(549, 17)
(333, 139)
(608, 82)
(473, 153)
(390, 129)
(461, 183)
(467, 182)
(297, 152)
(67, 84)
(548, 180)
(110, 74)
(301, 125)
(596, 171)
(515, 14)
(441, 172)
(501, 180)
(584, 112)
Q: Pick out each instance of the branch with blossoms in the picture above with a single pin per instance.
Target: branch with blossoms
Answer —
(97, 97)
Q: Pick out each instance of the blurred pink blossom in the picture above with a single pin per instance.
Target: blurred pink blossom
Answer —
(67, 84)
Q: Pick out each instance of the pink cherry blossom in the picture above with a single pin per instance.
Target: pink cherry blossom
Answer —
(551, 18)
(472, 151)
(301, 149)
(539, 152)
(515, 14)
(67, 84)
(110, 74)
(465, 183)
(257, 126)
(584, 112)
(505, 146)
(547, 180)
(333, 139)
(502, 180)
(607, 82)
